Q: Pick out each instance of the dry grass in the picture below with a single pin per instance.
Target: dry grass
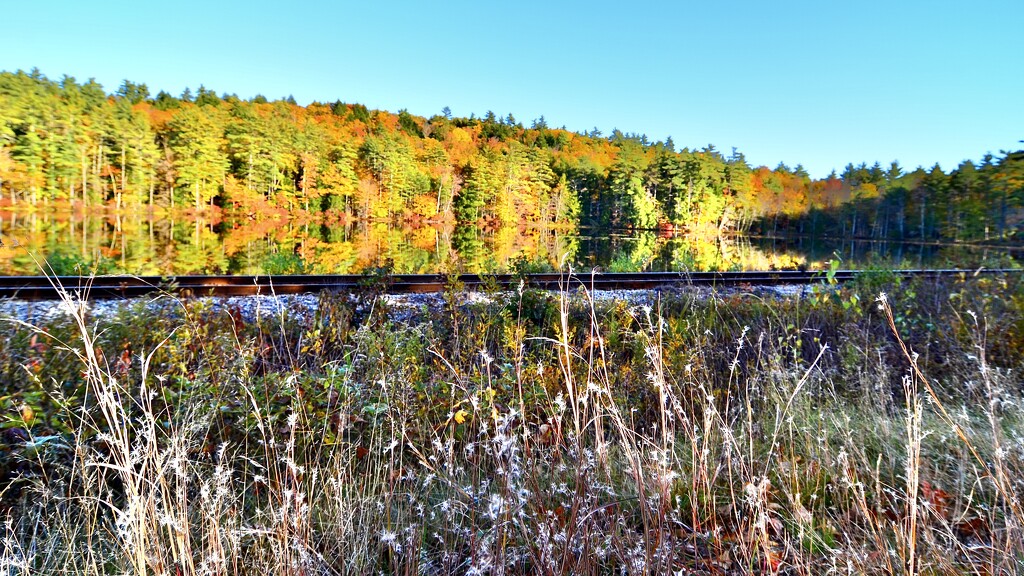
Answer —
(541, 435)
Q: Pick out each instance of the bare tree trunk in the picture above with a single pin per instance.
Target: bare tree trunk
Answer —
(1002, 214)
(440, 187)
(123, 175)
(96, 170)
(922, 218)
(85, 183)
(124, 249)
(117, 193)
(305, 197)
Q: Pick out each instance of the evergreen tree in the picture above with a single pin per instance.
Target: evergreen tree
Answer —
(196, 139)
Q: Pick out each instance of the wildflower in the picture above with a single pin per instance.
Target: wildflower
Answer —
(750, 490)
(654, 379)
(495, 506)
(559, 403)
(166, 520)
(390, 539)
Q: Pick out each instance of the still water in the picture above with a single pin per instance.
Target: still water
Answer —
(73, 243)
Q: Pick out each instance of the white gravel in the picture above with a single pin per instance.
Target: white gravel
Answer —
(401, 307)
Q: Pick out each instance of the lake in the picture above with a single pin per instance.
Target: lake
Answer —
(73, 243)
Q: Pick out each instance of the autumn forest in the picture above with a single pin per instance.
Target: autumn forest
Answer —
(71, 143)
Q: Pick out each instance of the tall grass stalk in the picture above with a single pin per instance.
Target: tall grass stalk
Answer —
(536, 434)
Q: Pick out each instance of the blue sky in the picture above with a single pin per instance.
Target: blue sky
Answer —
(814, 83)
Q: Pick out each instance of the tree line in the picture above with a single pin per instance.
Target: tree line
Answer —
(72, 142)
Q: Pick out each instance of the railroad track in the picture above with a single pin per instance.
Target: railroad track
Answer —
(100, 287)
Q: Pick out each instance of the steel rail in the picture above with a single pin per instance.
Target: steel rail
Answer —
(100, 287)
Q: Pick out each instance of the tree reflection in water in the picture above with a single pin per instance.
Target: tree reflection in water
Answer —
(75, 243)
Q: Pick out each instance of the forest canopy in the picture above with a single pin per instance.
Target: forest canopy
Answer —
(72, 142)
